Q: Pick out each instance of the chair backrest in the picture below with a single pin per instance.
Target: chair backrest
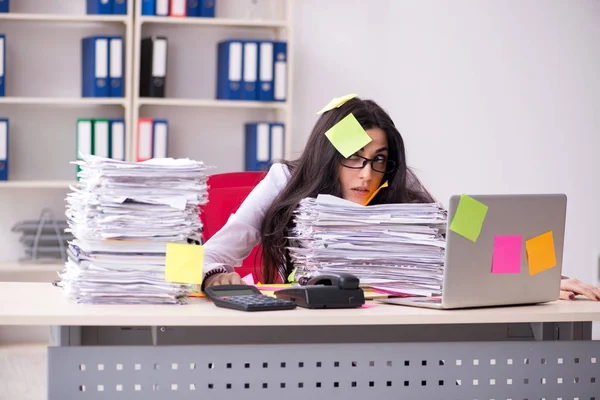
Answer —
(226, 192)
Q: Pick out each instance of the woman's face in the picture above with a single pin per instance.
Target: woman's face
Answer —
(358, 184)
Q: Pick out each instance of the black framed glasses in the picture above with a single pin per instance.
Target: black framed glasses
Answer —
(378, 164)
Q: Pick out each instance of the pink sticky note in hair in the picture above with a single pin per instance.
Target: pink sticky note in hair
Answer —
(507, 255)
(248, 279)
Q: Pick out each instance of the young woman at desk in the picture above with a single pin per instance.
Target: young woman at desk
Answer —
(267, 212)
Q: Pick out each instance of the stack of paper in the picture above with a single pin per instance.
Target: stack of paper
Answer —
(122, 215)
(397, 248)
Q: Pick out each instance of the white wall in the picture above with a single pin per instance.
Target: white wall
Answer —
(490, 97)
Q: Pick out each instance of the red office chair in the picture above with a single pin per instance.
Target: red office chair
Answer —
(226, 192)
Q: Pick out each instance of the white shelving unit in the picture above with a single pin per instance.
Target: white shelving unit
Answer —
(192, 51)
(42, 102)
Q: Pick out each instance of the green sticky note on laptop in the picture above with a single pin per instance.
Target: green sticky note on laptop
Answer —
(468, 218)
(347, 136)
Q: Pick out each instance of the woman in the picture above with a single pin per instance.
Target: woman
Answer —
(267, 213)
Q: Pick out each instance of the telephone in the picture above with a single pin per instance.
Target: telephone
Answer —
(326, 291)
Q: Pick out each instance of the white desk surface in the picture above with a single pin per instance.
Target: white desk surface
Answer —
(33, 303)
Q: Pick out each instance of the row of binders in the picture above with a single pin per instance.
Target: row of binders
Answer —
(115, 7)
(101, 137)
(102, 65)
(252, 70)
(3, 149)
(179, 8)
(264, 143)
(152, 139)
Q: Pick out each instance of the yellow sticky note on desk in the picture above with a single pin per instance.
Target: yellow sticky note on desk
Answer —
(184, 263)
(540, 253)
(348, 136)
(468, 218)
(336, 102)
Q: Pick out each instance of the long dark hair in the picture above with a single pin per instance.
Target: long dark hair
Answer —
(316, 172)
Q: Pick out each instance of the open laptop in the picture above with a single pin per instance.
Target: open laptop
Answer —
(468, 278)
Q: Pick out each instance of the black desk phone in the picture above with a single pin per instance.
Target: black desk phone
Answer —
(326, 291)
(245, 298)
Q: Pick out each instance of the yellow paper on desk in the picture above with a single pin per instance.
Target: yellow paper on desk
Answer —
(348, 136)
(336, 102)
(184, 263)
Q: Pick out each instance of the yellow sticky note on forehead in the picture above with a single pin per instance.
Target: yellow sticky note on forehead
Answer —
(184, 263)
(348, 136)
(336, 102)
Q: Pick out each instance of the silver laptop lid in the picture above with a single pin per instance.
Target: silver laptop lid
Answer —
(468, 277)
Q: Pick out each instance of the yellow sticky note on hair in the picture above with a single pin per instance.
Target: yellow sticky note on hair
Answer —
(348, 136)
(540, 253)
(336, 102)
(184, 263)
(384, 185)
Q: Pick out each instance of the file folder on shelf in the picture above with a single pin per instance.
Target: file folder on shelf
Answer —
(117, 139)
(207, 8)
(2, 64)
(162, 8)
(280, 71)
(84, 138)
(144, 139)
(101, 134)
(99, 6)
(277, 141)
(264, 89)
(94, 65)
(250, 62)
(148, 7)
(116, 58)
(3, 149)
(193, 8)
(257, 156)
(153, 67)
(120, 7)
(229, 70)
(4, 6)
(178, 8)
(160, 138)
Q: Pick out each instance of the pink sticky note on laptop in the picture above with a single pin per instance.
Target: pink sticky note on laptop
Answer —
(506, 258)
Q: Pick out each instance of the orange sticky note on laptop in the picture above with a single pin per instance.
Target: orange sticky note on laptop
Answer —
(540, 253)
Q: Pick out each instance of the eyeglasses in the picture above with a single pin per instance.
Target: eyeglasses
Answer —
(378, 164)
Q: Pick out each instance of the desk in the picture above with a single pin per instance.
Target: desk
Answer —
(196, 350)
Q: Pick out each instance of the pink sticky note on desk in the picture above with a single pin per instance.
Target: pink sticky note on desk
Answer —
(507, 255)
(248, 279)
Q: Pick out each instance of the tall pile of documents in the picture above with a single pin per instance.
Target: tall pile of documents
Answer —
(397, 248)
(122, 215)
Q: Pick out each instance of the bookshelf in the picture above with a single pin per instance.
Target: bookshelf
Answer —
(195, 115)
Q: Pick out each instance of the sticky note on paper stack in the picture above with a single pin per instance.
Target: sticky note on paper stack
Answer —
(540, 253)
(506, 258)
(184, 263)
(348, 136)
(336, 102)
(469, 217)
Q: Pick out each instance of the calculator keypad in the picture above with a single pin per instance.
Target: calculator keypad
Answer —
(256, 300)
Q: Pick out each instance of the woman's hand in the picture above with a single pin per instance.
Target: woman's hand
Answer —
(231, 278)
(569, 288)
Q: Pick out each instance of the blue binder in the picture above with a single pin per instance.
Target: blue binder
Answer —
(280, 71)
(148, 7)
(120, 7)
(276, 141)
(3, 149)
(258, 150)
(250, 70)
(193, 8)
(229, 70)
(99, 6)
(94, 64)
(160, 138)
(4, 6)
(2, 64)
(264, 89)
(207, 8)
(116, 59)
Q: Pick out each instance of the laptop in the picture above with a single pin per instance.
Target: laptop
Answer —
(468, 279)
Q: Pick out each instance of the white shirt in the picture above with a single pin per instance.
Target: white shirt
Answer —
(236, 239)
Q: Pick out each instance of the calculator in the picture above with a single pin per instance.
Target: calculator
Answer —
(245, 298)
